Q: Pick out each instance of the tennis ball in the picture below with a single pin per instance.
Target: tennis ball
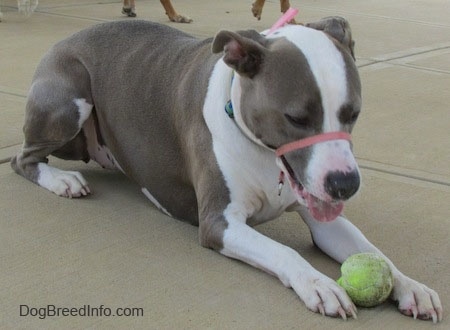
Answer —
(367, 279)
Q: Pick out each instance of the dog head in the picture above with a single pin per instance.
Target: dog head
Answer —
(299, 82)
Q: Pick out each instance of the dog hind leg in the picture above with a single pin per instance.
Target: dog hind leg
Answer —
(53, 126)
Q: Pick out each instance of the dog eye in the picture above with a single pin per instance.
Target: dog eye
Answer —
(300, 122)
(348, 115)
(353, 117)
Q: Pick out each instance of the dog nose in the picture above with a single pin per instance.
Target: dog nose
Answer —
(342, 185)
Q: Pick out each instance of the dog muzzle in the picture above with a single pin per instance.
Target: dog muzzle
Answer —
(324, 211)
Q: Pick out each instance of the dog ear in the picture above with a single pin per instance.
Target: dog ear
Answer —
(338, 28)
(243, 50)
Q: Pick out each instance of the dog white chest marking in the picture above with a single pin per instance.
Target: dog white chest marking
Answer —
(253, 192)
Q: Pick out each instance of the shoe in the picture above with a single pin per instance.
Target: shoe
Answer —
(129, 11)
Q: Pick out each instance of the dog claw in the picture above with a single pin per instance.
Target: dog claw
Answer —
(439, 314)
(321, 309)
(342, 313)
(353, 312)
(85, 191)
(434, 317)
(417, 300)
(68, 193)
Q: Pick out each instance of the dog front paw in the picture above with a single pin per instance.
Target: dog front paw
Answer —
(323, 295)
(416, 299)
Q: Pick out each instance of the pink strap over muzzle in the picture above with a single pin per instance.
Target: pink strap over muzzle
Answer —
(303, 143)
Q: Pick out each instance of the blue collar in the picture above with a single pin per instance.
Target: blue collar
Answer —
(229, 105)
(229, 109)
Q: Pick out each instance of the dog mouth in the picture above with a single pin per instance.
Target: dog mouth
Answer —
(323, 211)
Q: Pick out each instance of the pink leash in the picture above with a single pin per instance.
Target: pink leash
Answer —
(303, 143)
(286, 18)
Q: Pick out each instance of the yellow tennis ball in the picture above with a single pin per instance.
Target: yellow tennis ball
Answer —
(367, 279)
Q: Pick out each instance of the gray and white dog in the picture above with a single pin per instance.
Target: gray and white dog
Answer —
(149, 100)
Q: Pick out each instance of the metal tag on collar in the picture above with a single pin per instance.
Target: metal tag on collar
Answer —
(280, 182)
(229, 105)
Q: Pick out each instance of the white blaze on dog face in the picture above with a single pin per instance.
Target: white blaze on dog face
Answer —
(329, 70)
(331, 77)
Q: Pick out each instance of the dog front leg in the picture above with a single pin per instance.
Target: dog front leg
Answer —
(341, 239)
(317, 291)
